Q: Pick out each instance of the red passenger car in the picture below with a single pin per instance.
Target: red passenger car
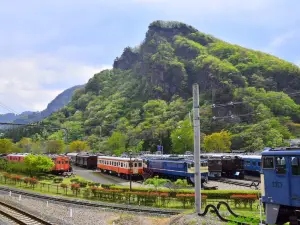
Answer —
(62, 163)
(16, 157)
(120, 166)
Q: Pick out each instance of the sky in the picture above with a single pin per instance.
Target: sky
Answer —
(49, 46)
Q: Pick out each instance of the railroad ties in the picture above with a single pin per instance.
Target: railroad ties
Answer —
(254, 184)
(17, 216)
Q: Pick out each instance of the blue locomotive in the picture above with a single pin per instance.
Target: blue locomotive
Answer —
(280, 180)
(175, 168)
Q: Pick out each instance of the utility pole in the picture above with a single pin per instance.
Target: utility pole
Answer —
(197, 176)
(130, 166)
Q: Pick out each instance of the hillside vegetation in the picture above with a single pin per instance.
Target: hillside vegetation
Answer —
(145, 99)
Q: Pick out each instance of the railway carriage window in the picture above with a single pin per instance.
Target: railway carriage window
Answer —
(58, 162)
(253, 163)
(280, 165)
(258, 163)
(121, 164)
(135, 164)
(140, 164)
(268, 162)
(295, 165)
(248, 163)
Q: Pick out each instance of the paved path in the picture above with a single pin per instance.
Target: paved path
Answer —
(101, 178)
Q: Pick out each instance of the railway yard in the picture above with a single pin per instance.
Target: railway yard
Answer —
(63, 210)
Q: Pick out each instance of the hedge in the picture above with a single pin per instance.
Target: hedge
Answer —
(212, 194)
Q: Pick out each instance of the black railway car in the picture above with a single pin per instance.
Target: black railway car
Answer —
(87, 161)
(214, 167)
(232, 167)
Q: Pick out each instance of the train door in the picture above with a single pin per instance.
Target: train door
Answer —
(295, 180)
(276, 174)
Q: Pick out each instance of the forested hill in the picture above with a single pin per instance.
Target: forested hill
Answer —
(146, 98)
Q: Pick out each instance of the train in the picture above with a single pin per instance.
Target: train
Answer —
(175, 168)
(280, 180)
(233, 165)
(61, 162)
(121, 166)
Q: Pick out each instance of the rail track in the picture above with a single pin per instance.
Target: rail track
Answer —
(254, 184)
(18, 216)
(119, 207)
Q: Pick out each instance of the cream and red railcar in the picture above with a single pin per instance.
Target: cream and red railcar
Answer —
(120, 166)
(18, 157)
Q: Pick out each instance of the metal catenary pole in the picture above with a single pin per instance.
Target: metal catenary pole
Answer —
(197, 177)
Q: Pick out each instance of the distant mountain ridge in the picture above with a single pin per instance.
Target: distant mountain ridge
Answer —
(28, 116)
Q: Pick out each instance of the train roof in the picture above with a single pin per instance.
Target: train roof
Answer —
(18, 154)
(118, 158)
(281, 151)
(250, 156)
(72, 154)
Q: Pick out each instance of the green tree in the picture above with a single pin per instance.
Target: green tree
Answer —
(58, 135)
(37, 163)
(6, 145)
(156, 182)
(183, 137)
(78, 146)
(117, 143)
(37, 147)
(218, 142)
(55, 146)
(25, 144)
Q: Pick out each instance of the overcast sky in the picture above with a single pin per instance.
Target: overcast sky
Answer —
(49, 46)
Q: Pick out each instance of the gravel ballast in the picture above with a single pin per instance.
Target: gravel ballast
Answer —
(59, 213)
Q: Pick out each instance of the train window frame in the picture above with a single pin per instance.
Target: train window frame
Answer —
(280, 168)
(140, 164)
(298, 161)
(263, 162)
(135, 164)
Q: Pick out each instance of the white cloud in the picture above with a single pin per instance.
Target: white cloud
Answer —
(204, 6)
(30, 83)
(284, 38)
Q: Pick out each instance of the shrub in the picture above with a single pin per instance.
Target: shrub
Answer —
(74, 180)
(64, 185)
(82, 183)
(108, 186)
(58, 180)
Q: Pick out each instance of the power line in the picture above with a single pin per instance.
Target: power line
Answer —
(253, 99)
(8, 108)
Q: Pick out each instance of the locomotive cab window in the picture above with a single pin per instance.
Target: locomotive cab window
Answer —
(190, 165)
(268, 162)
(295, 165)
(280, 165)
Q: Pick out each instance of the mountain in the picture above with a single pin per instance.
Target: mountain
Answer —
(145, 100)
(28, 117)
